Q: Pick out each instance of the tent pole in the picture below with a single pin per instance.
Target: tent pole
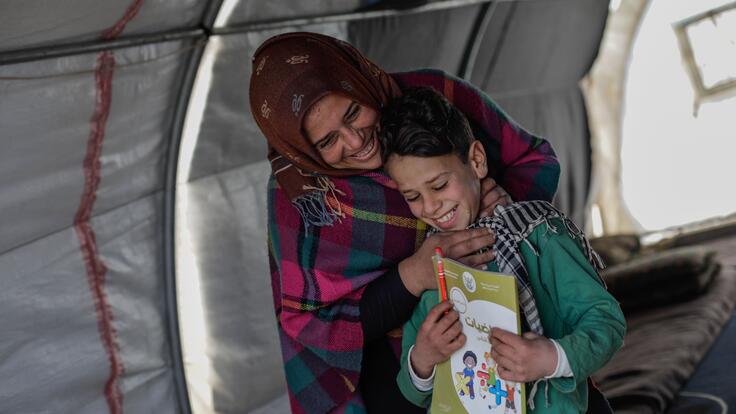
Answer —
(497, 51)
(346, 17)
(210, 15)
(467, 64)
(169, 224)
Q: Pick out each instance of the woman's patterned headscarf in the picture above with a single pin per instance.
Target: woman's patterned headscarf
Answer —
(290, 73)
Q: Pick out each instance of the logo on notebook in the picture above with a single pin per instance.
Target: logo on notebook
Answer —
(459, 301)
(469, 282)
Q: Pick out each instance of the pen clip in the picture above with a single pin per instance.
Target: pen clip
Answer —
(441, 274)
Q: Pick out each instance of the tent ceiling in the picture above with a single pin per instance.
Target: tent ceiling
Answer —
(268, 10)
(26, 24)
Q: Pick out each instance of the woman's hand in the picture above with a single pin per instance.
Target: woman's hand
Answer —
(522, 358)
(417, 270)
(439, 336)
(492, 195)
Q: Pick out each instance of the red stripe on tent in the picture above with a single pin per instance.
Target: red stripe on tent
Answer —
(115, 30)
(96, 269)
(94, 265)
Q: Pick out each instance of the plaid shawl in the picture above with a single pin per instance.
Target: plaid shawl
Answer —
(319, 273)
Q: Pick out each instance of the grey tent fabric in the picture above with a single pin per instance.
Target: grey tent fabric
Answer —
(51, 345)
(531, 60)
(45, 114)
(430, 40)
(86, 308)
(226, 195)
(236, 296)
(55, 314)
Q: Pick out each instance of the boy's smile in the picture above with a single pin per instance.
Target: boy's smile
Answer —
(442, 191)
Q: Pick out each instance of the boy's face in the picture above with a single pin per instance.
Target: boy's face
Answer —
(442, 191)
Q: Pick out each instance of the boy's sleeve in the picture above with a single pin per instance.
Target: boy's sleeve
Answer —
(592, 315)
(403, 379)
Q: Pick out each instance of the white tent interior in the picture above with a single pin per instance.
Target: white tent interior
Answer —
(132, 178)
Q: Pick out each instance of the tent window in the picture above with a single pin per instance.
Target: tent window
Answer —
(707, 43)
(676, 169)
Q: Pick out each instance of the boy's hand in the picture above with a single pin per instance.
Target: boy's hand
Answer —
(439, 336)
(522, 358)
(492, 195)
(417, 270)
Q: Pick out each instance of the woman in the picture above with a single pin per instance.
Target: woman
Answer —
(348, 259)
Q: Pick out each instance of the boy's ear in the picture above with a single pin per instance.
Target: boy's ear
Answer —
(477, 159)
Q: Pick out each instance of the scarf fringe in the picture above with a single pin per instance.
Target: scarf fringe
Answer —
(314, 207)
(533, 393)
(531, 247)
(548, 211)
(578, 234)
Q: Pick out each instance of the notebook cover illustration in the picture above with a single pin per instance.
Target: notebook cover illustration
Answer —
(467, 382)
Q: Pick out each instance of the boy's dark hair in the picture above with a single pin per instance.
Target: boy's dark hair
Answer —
(470, 354)
(422, 123)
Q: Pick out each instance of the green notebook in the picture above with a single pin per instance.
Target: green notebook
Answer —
(467, 382)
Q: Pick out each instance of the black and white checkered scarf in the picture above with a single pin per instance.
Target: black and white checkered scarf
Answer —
(513, 224)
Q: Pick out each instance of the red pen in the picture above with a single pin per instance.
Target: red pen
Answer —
(441, 274)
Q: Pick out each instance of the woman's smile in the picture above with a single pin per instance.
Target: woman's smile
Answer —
(344, 132)
(369, 149)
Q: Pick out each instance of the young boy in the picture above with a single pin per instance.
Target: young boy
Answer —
(573, 326)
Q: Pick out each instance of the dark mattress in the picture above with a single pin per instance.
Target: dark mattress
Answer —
(664, 346)
(712, 388)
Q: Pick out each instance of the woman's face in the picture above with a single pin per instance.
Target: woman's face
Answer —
(344, 132)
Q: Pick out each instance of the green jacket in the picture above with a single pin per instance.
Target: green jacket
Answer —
(575, 309)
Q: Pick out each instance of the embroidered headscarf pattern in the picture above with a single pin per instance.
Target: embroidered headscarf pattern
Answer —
(296, 104)
(295, 60)
(261, 65)
(265, 110)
